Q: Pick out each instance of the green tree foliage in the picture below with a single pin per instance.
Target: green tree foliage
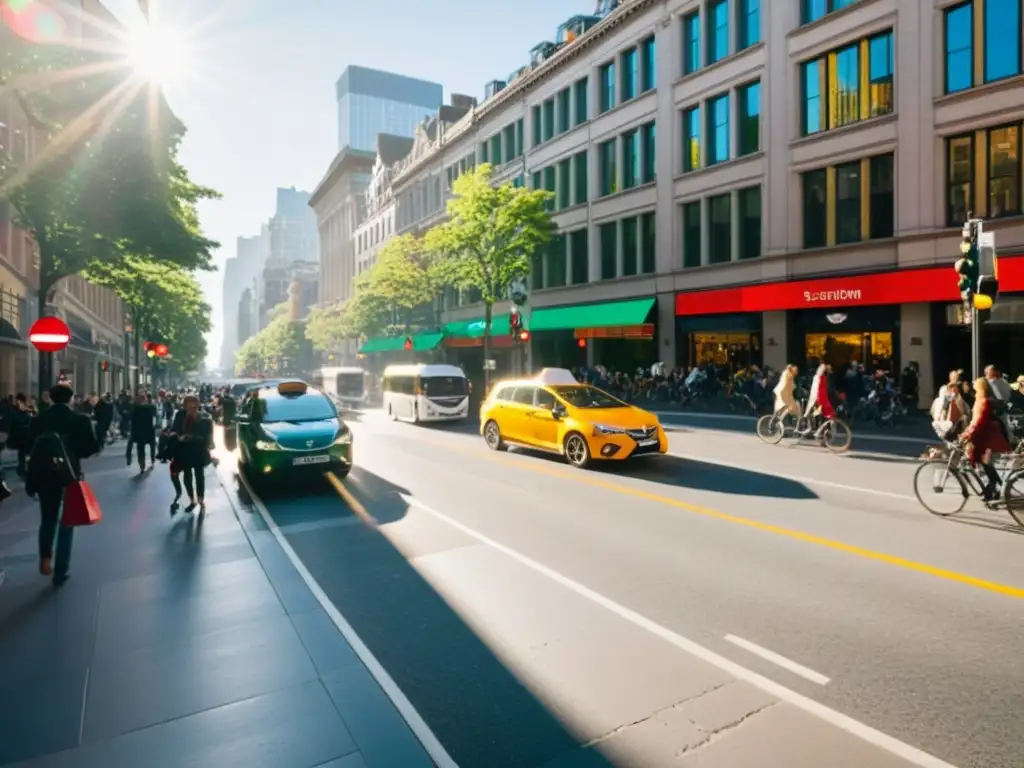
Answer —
(281, 347)
(489, 238)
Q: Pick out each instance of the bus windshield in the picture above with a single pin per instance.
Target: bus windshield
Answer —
(350, 384)
(444, 386)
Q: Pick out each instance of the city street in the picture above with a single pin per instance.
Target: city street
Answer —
(731, 604)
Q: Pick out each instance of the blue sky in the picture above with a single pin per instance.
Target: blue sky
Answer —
(258, 95)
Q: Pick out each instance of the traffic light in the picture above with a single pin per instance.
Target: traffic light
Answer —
(523, 336)
(515, 322)
(106, 366)
(967, 265)
(407, 345)
(581, 343)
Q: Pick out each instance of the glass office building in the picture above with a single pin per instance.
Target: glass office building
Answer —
(371, 101)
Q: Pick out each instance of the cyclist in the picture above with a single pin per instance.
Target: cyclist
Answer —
(785, 400)
(984, 436)
(818, 403)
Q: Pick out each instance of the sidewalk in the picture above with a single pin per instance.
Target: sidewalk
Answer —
(178, 644)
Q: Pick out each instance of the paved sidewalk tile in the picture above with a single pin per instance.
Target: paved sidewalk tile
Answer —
(178, 643)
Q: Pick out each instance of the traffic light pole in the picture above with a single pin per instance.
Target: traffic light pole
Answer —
(976, 364)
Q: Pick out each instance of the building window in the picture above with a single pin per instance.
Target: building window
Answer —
(1004, 171)
(550, 180)
(691, 234)
(580, 172)
(881, 69)
(607, 87)
(812, 10)
(718, 30)
(748, 23)
(555, 277)
(609, 235)
(629, 247)
(750, 118)
(648, 244)
(691, 139)
(562, 100)
(815, 208)
(882, 209)
(960, 179)
(495, 152)
(844, 82)
(629, 74)
(750, 222)
(519, 138)
(579, 246)
(608, 170)
(648, 146)
(718, 130)
(630, 159)
(564, 182)
(848, 216)
(581, 100)
(535, 127)
(813, 102)
(691, 43)
(958, 27)
(537, 270)
(720, 228)
(1002, 39)
(549, 119)
(648, 64)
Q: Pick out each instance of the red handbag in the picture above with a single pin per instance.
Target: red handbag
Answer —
(80, 506)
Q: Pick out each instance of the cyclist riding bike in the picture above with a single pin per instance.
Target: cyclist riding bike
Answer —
(818, 404)
(785, 399)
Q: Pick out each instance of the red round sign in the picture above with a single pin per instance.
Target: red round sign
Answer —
(49, 334)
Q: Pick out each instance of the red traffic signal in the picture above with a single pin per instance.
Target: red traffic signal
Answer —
(147, 345)
(407, 346)
(581, 343)
(161, 350)
(524, 336)
(515, 322)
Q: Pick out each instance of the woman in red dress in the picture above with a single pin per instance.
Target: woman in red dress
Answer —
(984, 436)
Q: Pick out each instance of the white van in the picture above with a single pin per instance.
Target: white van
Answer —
(346, 386)
(425, 393)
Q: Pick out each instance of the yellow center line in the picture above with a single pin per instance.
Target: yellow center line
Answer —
(778, 530)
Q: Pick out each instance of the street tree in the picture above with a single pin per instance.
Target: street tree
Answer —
(489, 239)
(324, 326)
(409, 277)
(279, 348)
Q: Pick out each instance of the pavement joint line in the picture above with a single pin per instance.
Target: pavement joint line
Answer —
(353, 503)
(833, 717)
(779, 660)
(431, 744)
(578, 476)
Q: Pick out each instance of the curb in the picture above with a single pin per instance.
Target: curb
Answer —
(861, 434)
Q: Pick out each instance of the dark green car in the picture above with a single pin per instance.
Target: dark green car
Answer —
(289, 428)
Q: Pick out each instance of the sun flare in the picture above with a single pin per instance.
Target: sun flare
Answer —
(157, 54)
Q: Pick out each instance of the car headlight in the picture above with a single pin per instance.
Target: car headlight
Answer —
(265, 445)
(344, 438)
(604, 429)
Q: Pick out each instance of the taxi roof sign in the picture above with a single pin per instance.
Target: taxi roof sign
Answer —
(292, 388)
(556, 377)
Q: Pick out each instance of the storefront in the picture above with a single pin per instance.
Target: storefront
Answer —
(866, 336)
(618, 334)
(729, 341)
(1002, 338)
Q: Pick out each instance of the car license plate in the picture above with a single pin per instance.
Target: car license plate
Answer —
(301, 460)
(645, 443)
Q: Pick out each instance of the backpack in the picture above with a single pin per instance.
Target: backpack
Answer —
(49, 463)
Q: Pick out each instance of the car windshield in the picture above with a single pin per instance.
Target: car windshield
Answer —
(443, 386)
(587, 397)
(300, 408)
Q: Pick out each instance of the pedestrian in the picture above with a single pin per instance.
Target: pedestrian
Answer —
(191, 438)
(18, 421)
(61, 438)
(143, 432)
(104, 418)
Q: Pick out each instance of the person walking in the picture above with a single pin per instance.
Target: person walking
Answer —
(58, 435)
(143, 432)
(104, 418)
(191, 439)
(18, 422)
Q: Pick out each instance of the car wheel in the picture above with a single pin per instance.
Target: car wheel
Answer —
(492, 436)
(576, 450)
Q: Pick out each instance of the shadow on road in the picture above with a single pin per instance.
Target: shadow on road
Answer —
(474, 704)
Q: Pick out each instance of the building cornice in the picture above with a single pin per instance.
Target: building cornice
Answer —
(532, 79)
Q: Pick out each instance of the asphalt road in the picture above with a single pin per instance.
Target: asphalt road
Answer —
(526, 608)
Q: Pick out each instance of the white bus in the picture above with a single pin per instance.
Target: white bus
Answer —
(346, 386)
(425, 393)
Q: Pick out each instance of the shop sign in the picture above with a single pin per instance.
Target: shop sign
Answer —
(935, 284)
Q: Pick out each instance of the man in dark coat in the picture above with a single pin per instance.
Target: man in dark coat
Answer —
(104, 418)
(143, 432)
(79, 439)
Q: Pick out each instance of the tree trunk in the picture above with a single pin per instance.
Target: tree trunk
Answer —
(488, 313)
(45, 363)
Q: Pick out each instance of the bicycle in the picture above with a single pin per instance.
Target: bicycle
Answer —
(833, 434)
(967, 482)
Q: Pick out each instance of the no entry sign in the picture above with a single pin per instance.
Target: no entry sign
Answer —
(49, 334)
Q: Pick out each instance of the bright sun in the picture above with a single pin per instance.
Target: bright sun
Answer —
(157, 54)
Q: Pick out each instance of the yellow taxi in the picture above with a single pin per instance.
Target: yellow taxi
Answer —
(553, 412)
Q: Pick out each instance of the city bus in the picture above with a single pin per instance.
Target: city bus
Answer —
(345, 385)
(425, 393)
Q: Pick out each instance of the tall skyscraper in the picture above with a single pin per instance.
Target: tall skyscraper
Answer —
(240, 274)
(371, 101)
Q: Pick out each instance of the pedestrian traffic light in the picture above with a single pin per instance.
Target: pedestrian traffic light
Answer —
(515, 321)
(407, 345)
(524, 336)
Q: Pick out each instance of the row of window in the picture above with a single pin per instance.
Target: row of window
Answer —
(746, 28)
(564, 261)
(566, 179)
(848, 85)
(556, 115)
(639, 161)
(744, 205)
(982, 43)
(849, 203)
(637, 74)
(453, 171)
(717, 131)
(812, 10)
(991, 190)
(374, 235)
(504, 146)
(628, 247)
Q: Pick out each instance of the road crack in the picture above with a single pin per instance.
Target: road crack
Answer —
(717, 733)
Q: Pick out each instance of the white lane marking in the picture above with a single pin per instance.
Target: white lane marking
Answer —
(894, 746)
(797, 478)
(797, 669)
(413, 719)
(863, 436)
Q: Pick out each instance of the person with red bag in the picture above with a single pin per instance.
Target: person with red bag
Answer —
(60, 439)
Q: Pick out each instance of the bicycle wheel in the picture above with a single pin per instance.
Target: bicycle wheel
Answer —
(940, 489)
(770, 429)
(836, 436)
(1013, 496)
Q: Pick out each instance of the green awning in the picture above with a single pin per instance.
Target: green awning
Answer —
(605, 315)
(474, 329)
(421, 342)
